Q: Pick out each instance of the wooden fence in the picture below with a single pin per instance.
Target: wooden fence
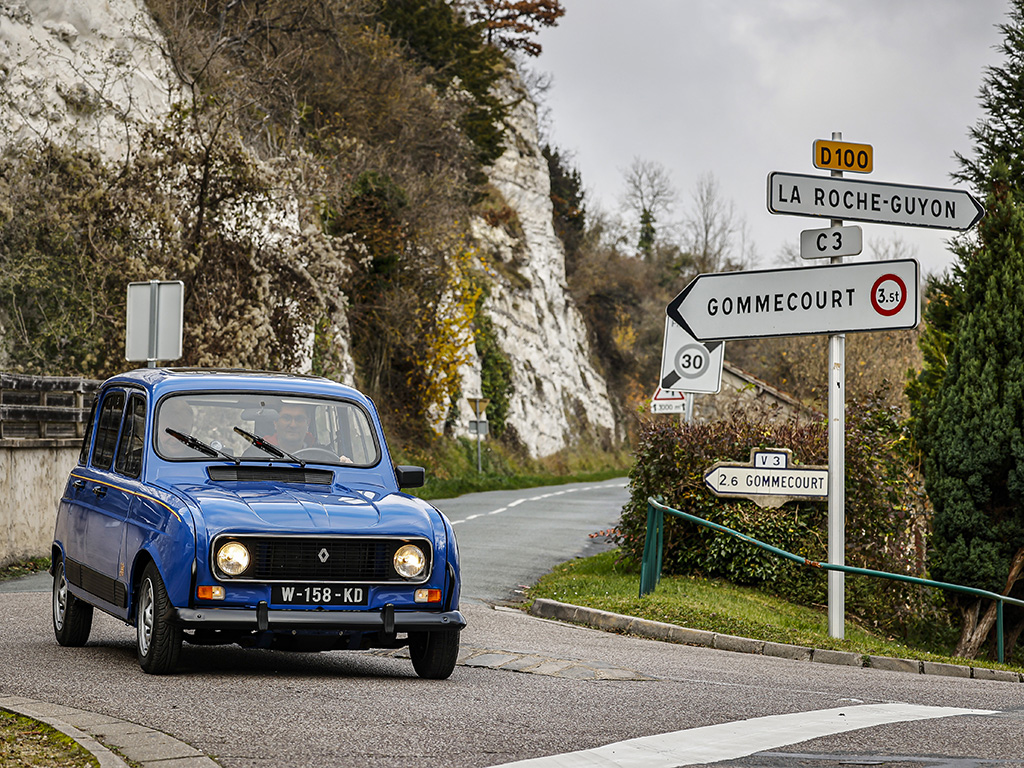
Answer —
(41, 409)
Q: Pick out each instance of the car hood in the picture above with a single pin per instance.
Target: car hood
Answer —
(300, 508)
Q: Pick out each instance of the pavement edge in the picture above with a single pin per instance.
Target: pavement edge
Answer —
(139, 744)
(656, 630)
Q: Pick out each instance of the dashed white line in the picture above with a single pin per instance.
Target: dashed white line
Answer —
(517, 502)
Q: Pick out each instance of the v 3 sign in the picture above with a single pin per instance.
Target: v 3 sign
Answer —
(838, 298)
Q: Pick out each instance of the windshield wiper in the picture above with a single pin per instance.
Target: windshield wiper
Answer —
(268, 447)
(198, 445)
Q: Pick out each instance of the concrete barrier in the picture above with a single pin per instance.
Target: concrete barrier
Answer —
(31, 483)
(42, 421)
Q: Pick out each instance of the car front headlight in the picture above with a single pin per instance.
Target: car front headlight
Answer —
(233, 558)
(410, 561)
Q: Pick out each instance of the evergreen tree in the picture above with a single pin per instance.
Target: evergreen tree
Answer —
(974, 441)
(966, 405)
(569, 214)
(455, 55)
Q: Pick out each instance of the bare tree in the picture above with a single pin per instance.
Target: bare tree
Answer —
(716, 237)
(649, 196)
(893, 248)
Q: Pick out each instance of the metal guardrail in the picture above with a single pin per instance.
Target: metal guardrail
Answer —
(650, 567)
(43, 407)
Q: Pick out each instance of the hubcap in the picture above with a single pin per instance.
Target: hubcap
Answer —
(145, 630)
(60, 598)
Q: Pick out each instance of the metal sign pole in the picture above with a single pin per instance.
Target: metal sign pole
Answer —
(836, 467)
(154, 314)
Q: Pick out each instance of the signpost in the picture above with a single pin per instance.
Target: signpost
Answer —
(668, 401)
(153, 324)
(830, 243)
(837, 298)
(834, 299)
(479, 406)
(878, 202)
(689, 365)
(769, 480)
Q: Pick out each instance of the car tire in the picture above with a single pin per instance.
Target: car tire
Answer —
(158, 640)
(434, 653)
(72, 618)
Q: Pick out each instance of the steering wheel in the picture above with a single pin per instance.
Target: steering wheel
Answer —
(315, 453)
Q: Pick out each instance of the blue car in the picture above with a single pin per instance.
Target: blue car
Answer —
(253, 508)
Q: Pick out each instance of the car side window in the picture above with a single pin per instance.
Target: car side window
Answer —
(83, 456)
(133, 433)
(107, 428)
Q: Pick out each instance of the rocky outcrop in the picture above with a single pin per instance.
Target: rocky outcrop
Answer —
(89, 72)
(559, 397)
(81, 73)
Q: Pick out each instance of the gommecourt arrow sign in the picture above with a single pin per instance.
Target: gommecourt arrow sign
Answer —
(838, 298)
(769, 480)
(848, 199)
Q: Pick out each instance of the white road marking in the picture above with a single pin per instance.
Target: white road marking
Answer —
(517, 502)
(729, 741)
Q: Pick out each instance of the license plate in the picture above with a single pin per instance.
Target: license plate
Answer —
(318, 594)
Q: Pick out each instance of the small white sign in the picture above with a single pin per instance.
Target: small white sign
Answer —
(834, 241)
(689, 365)
(768, 480)
(668, 401)
(153, 327)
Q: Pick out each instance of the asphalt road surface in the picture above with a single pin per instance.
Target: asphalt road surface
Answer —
(527, 689)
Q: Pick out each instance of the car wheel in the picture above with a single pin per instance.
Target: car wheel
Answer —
(158, 639)
(434, 653)
(72, 618)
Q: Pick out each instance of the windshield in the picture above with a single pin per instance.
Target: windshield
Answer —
(250, 426)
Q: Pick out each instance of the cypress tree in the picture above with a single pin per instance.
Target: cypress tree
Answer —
(967, 404)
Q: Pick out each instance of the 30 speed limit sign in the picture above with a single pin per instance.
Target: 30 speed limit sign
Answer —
(690, 365)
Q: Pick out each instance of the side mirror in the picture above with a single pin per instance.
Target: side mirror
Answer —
(410, 477)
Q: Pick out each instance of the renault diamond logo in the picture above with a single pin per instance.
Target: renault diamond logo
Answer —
(323, 554)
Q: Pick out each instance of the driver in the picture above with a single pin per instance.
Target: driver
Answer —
(291, 428)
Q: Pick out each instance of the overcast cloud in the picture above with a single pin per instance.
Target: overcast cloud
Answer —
(740, 88)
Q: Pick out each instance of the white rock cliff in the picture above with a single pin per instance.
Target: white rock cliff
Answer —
(85, 72)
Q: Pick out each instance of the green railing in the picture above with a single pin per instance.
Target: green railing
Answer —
(650, 568)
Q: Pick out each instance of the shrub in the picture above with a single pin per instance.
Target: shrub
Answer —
(885, 515)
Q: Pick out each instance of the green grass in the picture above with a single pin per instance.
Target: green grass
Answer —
(29, 743)
(717, 606)
(24, 568)
(451, 466)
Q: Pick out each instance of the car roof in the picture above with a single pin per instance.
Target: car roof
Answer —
(164, 381)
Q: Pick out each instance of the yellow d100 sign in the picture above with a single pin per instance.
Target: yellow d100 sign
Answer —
(843, 156)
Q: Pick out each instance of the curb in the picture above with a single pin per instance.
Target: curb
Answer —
(656, 630)
(142, 746)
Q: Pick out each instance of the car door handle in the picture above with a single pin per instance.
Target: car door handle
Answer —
(100, 491)
(79, 484)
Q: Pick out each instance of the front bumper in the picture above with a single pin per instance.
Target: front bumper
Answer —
(263, 619)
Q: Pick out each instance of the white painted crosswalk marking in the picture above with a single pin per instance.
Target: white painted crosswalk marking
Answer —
(729, 741)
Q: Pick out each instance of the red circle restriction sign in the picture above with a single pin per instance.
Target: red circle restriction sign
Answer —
(888, 295)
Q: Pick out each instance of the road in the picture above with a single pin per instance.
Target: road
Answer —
(255, 708)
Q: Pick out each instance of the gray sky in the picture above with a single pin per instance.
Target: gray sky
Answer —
(740, 88)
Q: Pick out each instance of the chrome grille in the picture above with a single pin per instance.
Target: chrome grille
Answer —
(361, 559)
